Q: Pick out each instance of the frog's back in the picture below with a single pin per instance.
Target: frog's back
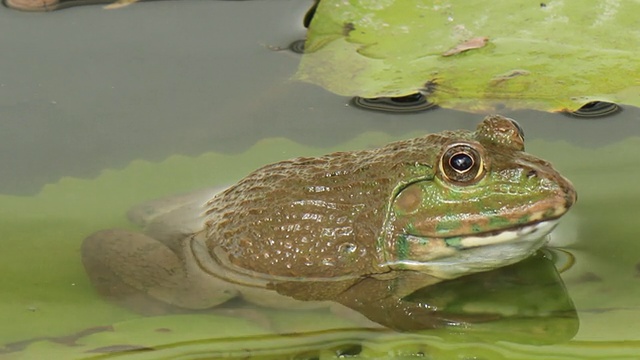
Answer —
(313, 217)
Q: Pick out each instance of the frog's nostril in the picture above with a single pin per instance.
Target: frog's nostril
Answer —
(531, 173)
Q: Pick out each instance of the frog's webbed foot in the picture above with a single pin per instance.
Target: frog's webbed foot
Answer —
(128, 267)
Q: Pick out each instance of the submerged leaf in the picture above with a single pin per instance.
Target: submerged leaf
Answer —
(557, 55)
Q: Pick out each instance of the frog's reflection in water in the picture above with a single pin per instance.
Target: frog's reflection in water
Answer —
(525, 302)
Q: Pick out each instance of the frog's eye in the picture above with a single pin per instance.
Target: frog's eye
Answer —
(462, 164)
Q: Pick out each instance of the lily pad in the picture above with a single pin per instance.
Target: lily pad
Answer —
(477, 55)
(49, 309)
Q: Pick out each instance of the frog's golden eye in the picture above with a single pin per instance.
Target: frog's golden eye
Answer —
(462, 164)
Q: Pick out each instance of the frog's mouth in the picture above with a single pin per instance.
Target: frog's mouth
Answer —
(452, 257)
(526, 233)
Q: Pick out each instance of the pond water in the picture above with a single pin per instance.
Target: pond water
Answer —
(103, 109)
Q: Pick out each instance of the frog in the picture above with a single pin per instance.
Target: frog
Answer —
(350, 227)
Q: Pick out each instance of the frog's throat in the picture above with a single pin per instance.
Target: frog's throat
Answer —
(448, 258)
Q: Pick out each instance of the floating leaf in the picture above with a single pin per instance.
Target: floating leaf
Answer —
(478, 55)
(49, 310)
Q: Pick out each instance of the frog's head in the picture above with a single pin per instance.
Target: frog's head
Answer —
(487, 204)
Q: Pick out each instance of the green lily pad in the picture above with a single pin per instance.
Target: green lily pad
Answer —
(49, 310)
(551, 55)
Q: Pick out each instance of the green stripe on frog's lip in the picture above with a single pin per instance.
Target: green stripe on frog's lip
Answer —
(523, 232)
(501, 236)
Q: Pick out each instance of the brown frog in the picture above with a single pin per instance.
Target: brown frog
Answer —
(411, 213)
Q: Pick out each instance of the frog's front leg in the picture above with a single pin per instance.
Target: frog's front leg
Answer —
(121, 263)
(382, 301)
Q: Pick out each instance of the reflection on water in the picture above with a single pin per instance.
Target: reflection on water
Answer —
(526, 302)
(529, 297)
(596, 109)
(197, 90)
(523, 303)
(402, 104)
